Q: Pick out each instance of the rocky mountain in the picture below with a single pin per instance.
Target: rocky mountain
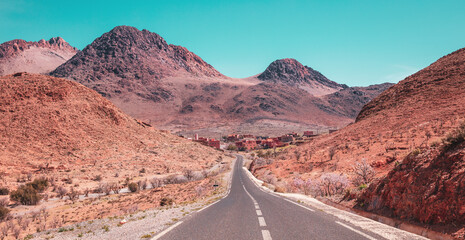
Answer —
(404, 134)
(128, 60)
(174, 89)
(34, 57)
(54, 123)
(291, 72)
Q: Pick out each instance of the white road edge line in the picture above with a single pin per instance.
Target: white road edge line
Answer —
(266, 235)
(166, 231)
(299, 205)
(355, 230)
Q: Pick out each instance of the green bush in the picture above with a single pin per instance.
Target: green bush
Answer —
(362, 186)
(26, 195)
(133, 187)
(4, 191)
(4, 213)
(166, 201)
(39, 184)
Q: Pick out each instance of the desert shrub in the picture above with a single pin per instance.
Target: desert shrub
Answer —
(4, 191)
(73, 195)
(232, 147)
(4, 201)
(297, 184)
(279, 189)
(115, 187)
(26, 195)
(61, 191)
(333, 183)
(175, 179)
(142, 170)
(156, 182)
(133, 187)
(165, 201)
(455, 138)
(4, 213)
(312, 187)
(189, 174)
(364, 173)
(98, 178)
(142, 184)
(104, 187)
(39, 184)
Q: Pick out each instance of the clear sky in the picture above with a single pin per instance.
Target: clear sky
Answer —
(357, 42)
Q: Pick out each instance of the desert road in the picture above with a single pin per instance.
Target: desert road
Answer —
(247, 212)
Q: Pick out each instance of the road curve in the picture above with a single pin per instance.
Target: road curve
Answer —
(250, 213)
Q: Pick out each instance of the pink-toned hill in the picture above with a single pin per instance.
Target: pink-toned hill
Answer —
(34, 57)
(55, 124)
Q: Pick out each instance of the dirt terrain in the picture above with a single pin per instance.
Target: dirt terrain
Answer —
(81, 143)
(34, 57)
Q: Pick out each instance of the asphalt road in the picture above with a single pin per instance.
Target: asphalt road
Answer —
(250, 213)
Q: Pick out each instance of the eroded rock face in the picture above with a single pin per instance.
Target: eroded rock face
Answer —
(428, 187)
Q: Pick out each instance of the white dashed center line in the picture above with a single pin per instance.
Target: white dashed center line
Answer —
(261, 220)
(266, 235)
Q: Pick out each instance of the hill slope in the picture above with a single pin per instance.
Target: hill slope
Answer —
(34, 57)
(48, 121)
(390, 130)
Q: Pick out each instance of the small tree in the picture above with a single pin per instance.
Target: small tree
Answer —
(333, 183)
(331, 153)
(364, 173)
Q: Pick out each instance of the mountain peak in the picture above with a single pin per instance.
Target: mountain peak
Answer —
(127, 58)
(292, 72)
(35, 57)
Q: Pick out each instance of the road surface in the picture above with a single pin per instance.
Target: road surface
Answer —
(247, 212)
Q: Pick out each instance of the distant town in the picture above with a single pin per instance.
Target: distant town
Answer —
(248, 142)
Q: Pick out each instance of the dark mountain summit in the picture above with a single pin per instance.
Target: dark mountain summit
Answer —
(290, 71)
(126, 58)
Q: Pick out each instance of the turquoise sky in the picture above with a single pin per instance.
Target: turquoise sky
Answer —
(353, 42)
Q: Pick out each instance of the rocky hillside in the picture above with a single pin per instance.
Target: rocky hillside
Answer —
(34, 57)
(408, 117)
(435, 193)
(349, 101)
(291, 72)
(56, 124)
